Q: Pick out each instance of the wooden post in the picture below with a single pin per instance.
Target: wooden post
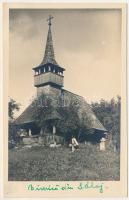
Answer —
(54, 132)
(30, 132)
(49, 68)
(41, 132)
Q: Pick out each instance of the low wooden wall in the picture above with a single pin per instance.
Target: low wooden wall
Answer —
(43, 140)
(49, 139)
(30, 140)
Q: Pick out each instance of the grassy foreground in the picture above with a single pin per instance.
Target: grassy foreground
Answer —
(59, 164)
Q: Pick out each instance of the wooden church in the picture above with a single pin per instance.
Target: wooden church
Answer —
(48, 79)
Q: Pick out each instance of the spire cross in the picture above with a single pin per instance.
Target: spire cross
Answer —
(49, 20)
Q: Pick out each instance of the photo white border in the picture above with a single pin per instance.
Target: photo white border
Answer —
(125, 111)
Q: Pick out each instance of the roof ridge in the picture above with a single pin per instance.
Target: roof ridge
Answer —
(73, 93)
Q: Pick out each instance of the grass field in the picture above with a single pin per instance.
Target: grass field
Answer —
(59, 164)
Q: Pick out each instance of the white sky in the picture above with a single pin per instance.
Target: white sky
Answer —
(87, 44)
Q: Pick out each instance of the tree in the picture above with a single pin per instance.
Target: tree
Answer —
(12, 107)
(43, 106)
(69, 123)
(13, 132)
(109, 114)
(47, 106)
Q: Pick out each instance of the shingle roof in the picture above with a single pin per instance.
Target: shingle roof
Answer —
(49, 56)
(84, 109)
(26, 116)
(90, 118)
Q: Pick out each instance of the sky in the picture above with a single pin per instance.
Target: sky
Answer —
(87, 43)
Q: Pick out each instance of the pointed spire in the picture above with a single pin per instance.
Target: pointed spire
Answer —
(49, 56)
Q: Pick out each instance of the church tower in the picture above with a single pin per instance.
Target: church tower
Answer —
(48, 76)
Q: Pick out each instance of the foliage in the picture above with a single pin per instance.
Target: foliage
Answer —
(65, 116)
(87, 164)
(109, 114)
(69, 122)
(42, 108)
(12, 107)
(13, 132)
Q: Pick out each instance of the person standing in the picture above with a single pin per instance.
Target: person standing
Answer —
(75, 144)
